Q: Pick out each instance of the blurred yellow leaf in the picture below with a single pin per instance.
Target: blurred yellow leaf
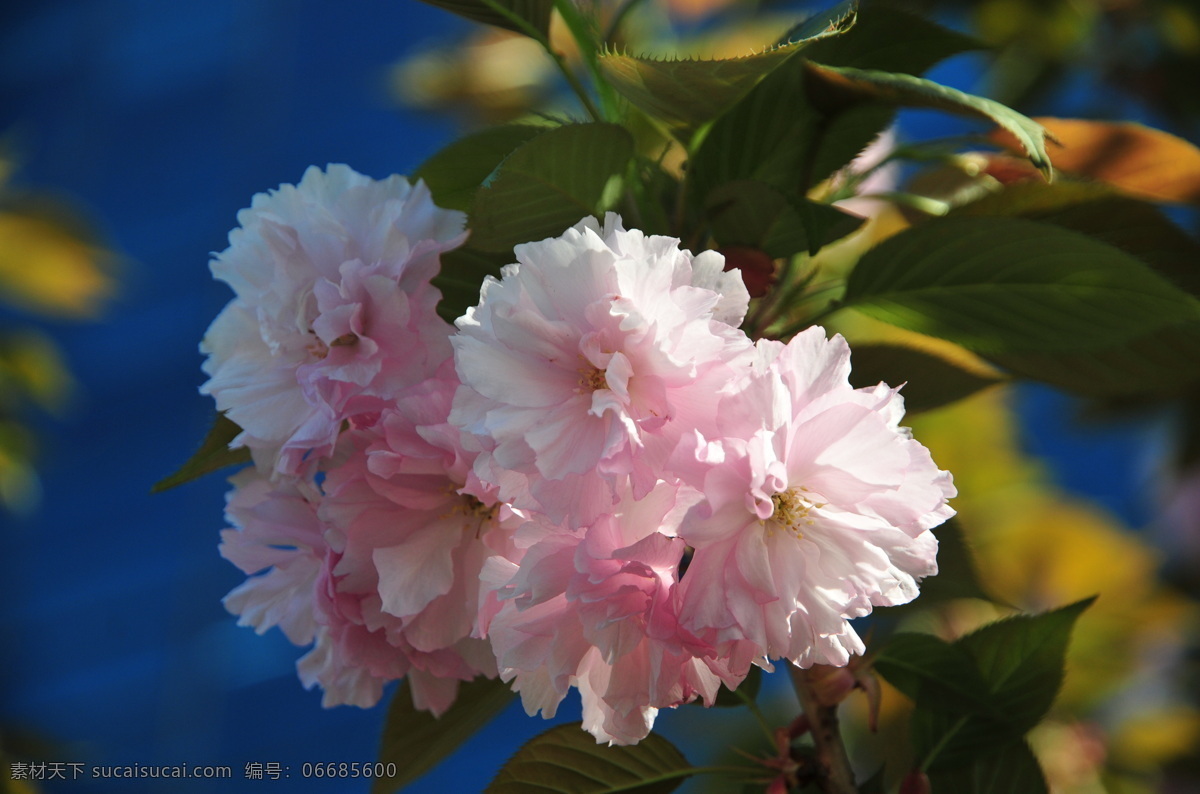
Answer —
(1155, 736)
(32, 368)
(46, 267)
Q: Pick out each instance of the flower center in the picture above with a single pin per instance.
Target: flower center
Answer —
(792, 508)
(473, 511)
(592, 379)
(317, 349)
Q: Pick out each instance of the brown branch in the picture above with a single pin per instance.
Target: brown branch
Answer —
(836, 776)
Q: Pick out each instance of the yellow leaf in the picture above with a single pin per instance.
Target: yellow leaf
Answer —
(46, 268)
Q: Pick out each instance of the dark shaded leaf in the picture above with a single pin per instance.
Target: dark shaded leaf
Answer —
(755, 214)
(934, 674)
(462, 274)
(874, 784)
(1011, 770)
(931, 380)
(214, 453)
(685, 94)
(549, 183)
(456, 172)
(1158, 364)
(957, 575)
(874, 43)
(776, 136)
(837, 87)
(567, 760)
(415, 741)
(534, 12)
(1003, 286)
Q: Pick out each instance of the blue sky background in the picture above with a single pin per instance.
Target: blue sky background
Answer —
(164, 119)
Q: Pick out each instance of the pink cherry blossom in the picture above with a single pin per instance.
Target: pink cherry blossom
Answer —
(818, 507)
(334, 312)
(411, 534)
(381, 569)
(588, 359)
(597, 609)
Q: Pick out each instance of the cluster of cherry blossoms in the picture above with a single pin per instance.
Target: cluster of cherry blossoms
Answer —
(594, 480)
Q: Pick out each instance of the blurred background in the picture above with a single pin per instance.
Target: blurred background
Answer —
(131, 133)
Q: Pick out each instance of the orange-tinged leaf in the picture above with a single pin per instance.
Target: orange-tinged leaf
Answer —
(1139, 160)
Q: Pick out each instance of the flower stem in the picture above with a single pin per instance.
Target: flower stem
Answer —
(836, 775)
(582, 30)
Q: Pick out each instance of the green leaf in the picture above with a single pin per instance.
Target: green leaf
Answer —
(755, 214)
(536, 13)
(1020, 662)
(1011, 770)
(685, 94)
(456, 172)
(1003, 285)
(930, 380)
(746, 692)
(549, 183)
(934, 674)
(835, 87)
(214, 453)
(462, 275)
(567, 760)
(776, 136)
(873, 42)
(415, 741)
(1157, 365)
(1134, 226)
(1022, 659)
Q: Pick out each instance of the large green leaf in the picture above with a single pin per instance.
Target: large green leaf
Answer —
(1012, 769)
(214, 453)
(567, 760)
(535, 13)
(837, 87)
(930, 380)
(1020, 662)
(1134, 226)
(415, 741)
(549, 183)
(1022, 659)
(891, 39)
(1003, 285)
(456, 172)
(755, 214)
(685, 94)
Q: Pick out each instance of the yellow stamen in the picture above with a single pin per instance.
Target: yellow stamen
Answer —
(792, 510)
(592, 379)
